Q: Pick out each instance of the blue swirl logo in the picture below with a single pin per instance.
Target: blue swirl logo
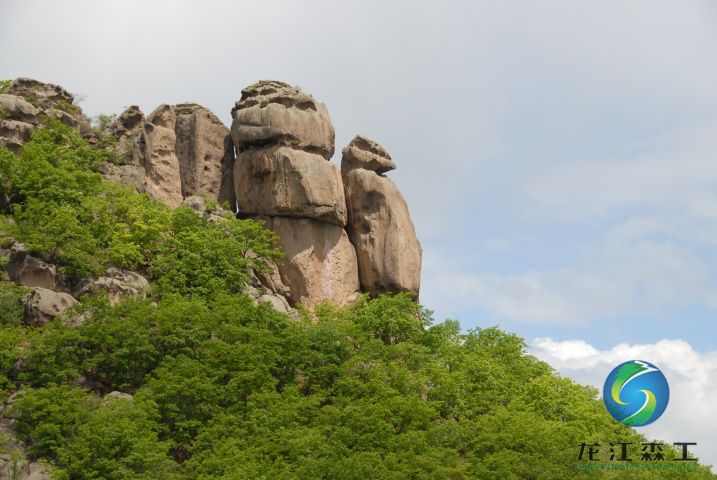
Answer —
(636, 393)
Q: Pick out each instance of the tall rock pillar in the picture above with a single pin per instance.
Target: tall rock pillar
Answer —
(282, 173)
(379, 225)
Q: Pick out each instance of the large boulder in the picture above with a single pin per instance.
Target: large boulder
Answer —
(117, 283)
(379, 225)
(159, 158)
(319, 262)
(42, 305)
(205, 153)
(14, 131)
(17, 108)
(280, 180)
(273, 113)
(24, 269)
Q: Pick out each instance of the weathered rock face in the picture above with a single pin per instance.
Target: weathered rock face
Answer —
(43, 95)
(380, 227)
(17, 108)
(117, 283)
(319, 262)
(175, 153)
(280, 180)
(24, 269)
(48, 97)
(18, 118)
(283, 139)
(275, 113)
(128, 122)
(23, 102)
(205, 152)
(43, 305)
(341, 230)
(159, 158)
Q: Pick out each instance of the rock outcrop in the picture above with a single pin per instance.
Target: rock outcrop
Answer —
(380, 227)
(42, 305)
(158, 156)
(342, 230)
(280, 180)
(24, 269)
(18, 118)
(282, 173)
(275, 113)
(174, 153)
(52, 100)
(117, 283)
(205, 152)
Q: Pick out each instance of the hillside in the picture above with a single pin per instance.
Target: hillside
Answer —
(146, 332)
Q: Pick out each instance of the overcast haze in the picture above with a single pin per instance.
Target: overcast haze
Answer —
(559, 158)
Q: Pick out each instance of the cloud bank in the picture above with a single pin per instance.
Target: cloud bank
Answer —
(691, 375)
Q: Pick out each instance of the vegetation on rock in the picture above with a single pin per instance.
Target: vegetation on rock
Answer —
(223, 388)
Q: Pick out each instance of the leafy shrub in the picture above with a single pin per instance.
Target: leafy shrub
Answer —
(11, 309)
(64, 212)
(48, 417)
(117, 441)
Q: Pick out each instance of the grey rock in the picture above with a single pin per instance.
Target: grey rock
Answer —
(24, 269)
(119, 396)
(42, 305)
(17, 108)
(117, 283)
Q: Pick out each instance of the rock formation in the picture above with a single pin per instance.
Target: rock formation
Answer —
(43, 305)
(205, 153)
(380, 227)
(319, 262)
(175, 153)
(24, 269)
(282, 173)
(117, 283)
(342, 231)
(25, 100)
(280, 180)
(159, 158)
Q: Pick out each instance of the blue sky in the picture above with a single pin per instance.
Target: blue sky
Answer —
(559, 157)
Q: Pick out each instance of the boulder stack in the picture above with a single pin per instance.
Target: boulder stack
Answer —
(380, 227)
(282, 174)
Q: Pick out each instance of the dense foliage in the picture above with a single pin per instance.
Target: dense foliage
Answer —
(226, 389)
(65, 213)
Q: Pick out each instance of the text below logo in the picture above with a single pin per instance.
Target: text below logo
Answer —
(636, 393)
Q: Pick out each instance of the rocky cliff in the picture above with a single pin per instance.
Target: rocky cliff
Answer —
(342, 231)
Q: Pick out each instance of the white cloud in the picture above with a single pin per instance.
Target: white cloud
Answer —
(691, 375)
(612, 279)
